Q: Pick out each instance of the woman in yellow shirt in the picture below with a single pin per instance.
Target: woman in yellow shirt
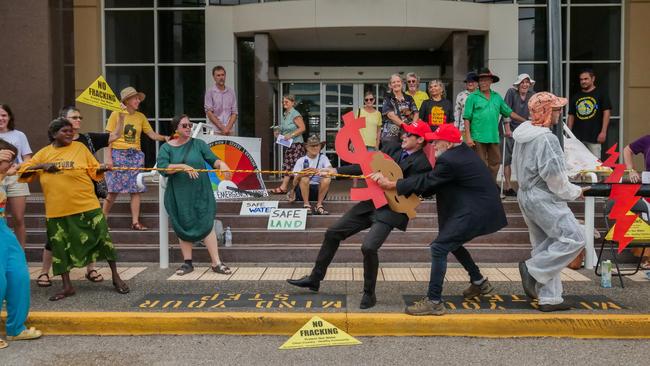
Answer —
(126, 151)
(76, 227)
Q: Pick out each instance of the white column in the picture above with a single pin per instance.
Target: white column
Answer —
(503, 45)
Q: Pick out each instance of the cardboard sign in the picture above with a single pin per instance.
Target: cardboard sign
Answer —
(288, 219)
(319, 333)
(640, 230)
(257, 208)
(99, 94)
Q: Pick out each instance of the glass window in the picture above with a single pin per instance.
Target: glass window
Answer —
(139, 77)
(595, 1)
(532, 34)
(608, 77)
(180, 3)
(539, 73)
(181, 90)
(532, 1)
(181, 36)
(596, 33)
(128, 3)
(129, 36)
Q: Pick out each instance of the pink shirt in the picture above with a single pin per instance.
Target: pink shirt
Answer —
(222, 103)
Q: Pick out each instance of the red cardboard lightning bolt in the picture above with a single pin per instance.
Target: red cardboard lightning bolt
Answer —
(624, 199)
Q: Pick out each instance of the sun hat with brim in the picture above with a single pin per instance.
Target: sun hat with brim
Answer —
(485, 72)
(417, 128)
(521, 78)
(471, 76)
(314, 140)
(130, 91)
(445, 132)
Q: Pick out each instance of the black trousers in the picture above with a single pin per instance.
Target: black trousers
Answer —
(351, 223)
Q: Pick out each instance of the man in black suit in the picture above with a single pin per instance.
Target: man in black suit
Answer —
(468, 206)
(364, 215)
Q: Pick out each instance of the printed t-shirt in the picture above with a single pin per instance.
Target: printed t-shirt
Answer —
(68, 191)
(435, 113)
(587, 109)
(642, 146)
(19, 140)
(134, 126)
(373, 123)
(319, 162)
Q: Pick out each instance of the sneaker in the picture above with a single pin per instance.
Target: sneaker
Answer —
(510, 192)
(426, 307)
(475, 290)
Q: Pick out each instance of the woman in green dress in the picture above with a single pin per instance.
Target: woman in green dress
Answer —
(189, 199)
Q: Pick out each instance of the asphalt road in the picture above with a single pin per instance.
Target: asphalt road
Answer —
(263, 350)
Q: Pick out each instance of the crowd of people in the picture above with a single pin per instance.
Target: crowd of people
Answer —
(470, 139)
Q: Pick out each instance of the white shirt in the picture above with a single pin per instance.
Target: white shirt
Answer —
(319, 162)
(19, 140)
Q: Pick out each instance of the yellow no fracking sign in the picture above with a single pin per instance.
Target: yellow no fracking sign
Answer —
(319, 333)
(99, 94)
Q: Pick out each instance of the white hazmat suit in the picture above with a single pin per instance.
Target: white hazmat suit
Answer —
(555, 234)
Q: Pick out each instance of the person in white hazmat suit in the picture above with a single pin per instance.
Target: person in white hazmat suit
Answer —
(555, 234)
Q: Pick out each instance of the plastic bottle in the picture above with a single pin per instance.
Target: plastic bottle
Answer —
(228, 236)
(606, 274)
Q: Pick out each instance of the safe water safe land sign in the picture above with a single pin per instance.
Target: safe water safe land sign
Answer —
(288, 219)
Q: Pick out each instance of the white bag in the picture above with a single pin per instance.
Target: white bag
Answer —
(576, 155)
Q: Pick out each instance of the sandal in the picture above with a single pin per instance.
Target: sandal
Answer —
(278, 190)
(27, 334)
(221, 268)
(184, 269)
(139, 227)
(320, 210)
(121, 288)
(96, 278)
(3, 344)
(44, 283)
(310, 210)
(61, 296)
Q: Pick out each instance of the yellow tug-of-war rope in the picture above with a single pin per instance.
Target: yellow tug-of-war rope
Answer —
(211, 171)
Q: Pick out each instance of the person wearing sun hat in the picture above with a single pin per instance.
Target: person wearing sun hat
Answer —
(481, 117)
(126, 151)
(468, 205)
(544, 189)
(517, 99)
(381, 221)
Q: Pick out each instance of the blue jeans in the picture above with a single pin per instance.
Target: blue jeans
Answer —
(439, 252)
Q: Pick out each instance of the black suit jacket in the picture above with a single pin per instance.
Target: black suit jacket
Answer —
(414, 164)
(468, 200)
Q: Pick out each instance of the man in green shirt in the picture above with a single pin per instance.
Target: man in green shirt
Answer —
(481, 117)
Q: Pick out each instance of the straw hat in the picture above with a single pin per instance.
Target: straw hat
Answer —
(130, 91)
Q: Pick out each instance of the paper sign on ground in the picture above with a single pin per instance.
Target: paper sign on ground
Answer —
(640, 230)
(99, 94)
(319, 333)
(257, 208)
(288, 219)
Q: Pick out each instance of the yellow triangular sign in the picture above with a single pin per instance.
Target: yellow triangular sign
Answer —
(319, 333)
(99, 94)
(640, 230)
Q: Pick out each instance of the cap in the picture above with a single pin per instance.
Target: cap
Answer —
(418, 128)
(445, 132)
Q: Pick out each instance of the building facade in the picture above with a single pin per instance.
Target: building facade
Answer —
(326, 52)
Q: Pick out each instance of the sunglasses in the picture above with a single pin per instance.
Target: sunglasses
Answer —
(369, 99)
(186, 125)
(76, 117)
(412, 81)
(408, 134)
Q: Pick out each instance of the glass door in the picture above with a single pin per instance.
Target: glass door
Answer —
(339, 99)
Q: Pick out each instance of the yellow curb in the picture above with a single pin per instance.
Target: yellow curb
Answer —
(357, 324)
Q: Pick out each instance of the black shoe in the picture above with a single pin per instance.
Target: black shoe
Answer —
(510, 192)
(306, 282)
(367, 301)
(555, 307)
(527, 281)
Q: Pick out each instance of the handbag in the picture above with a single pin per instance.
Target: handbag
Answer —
(101, 189)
